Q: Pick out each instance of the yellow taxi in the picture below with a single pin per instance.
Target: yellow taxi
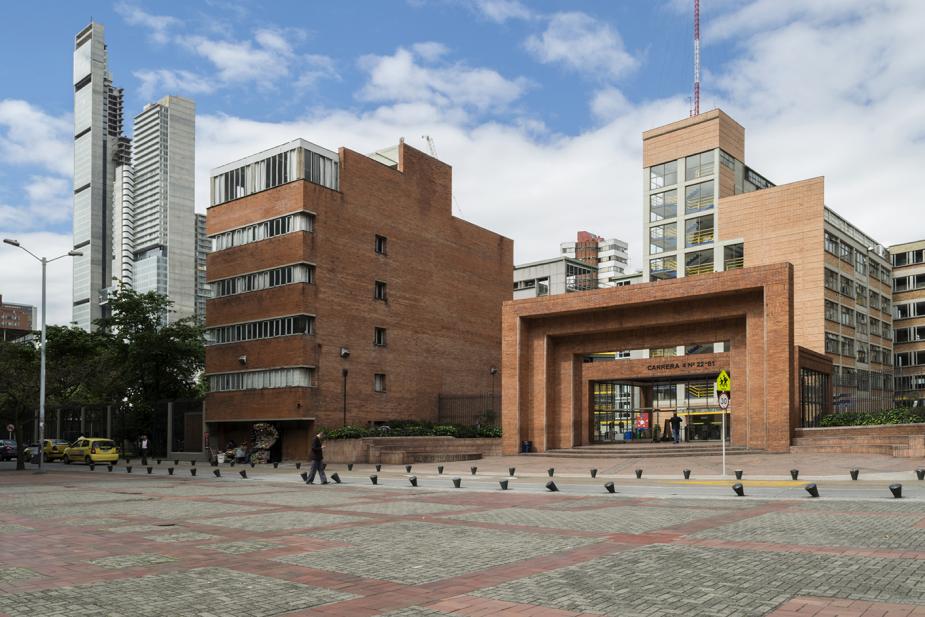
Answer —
(54, 449)
(92, 450)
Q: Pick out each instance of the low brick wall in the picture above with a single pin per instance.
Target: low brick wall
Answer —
(899, 440)
(405, 450)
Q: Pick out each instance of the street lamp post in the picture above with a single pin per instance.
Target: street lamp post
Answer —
(493, 371)
(44, 261)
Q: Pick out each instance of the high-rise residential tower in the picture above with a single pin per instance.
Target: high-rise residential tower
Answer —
(609, 255)
(203, 247)
(99, 147)
(154, 225)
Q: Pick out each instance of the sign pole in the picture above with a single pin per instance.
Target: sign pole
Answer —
(724, 389)
(724, 443)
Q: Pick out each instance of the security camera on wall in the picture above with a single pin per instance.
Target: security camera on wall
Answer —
(344, 352)
(242, 359)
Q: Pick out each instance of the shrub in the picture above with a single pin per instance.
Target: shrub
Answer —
(899, 415)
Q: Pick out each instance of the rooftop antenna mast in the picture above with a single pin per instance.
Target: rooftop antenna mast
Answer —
(696, 110)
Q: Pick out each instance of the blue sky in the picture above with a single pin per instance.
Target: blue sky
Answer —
(538, 105)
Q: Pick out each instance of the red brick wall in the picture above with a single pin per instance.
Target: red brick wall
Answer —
(446, 281)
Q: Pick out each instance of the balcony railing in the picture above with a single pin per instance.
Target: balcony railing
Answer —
(700, 237)
(700, 269)
(734, 264)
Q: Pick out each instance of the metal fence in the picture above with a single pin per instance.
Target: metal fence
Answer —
(469, 410)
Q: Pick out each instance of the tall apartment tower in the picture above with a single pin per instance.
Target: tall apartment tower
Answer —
(706, 211)
(99, 147)
(155, 233)
(909, 313)
(609, 255)
(203, 247)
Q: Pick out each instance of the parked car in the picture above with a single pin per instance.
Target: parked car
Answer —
(7, 449)
(92, 450)
(54, 448)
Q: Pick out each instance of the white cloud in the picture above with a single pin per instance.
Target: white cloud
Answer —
(583, 45)
(159, 82)
(609, 103)
(159, 25)
(21, 275)
(502, 10)
(28, 135)
(430, 51)
(406, 77)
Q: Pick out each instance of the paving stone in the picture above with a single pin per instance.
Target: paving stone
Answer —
(183, 536)
(686, 580)
(320, 496)
(403, 508)
(627, 519)
(886, 532)
(155, 508)
(414, 611)
(10, 575)
(416, 552)
(242, 547)
(279, 521)
(90, 522)
(140, 528)
(12, 528)
(195, 593)
(131, 561)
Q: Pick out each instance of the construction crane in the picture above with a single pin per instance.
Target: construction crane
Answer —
(432, 148)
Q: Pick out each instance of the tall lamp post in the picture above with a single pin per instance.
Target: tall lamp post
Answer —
(44, 261)
(493, 371)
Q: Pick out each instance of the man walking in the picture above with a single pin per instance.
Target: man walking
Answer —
(143, 444)
(317, 458)
(676, 427)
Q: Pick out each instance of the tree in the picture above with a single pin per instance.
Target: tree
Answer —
(150, 360)
(19, 389)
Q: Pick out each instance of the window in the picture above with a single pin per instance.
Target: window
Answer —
(698, 165)
(726, 161)
(663, 175)
(831, 311)
(831, 279)
(255, 281)
(379, 337)
(663, 268)
(860, 262)
(698, 262)
(663, 352)
(862, 323)
(303, 377)
(381, 245)
(831, 343)
(862, 352)
(273, 171)
(663, 205)
(733, 257)
(693, 350)
(900, 259)
(698, 197)
(846, 252)
(379, 382)
(831, 243)
(885, 304)
(874, 299)
(901, 284)
(847, 317)
(699, 230)
(379, 293)
(266, 328)
(663, 238)
(847, 287)
(847, 347)
(874, 270)
(860, 294)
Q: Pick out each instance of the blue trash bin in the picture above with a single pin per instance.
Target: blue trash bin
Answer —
(628, 436)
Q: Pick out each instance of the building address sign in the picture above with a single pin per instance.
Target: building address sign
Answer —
(676, 365)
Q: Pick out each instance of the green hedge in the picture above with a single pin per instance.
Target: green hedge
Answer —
(900, 415)
(411, 428)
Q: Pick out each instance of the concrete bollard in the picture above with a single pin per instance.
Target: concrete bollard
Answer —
(407, 468)
(378, 467)
(610, 487)
(457, 482)
(551, 471)
(687, 474)
(128, 469)
(150, 469)
(638, 474)
(920, 473)
(594, 473)
(897, 490)
(795, 474)
(854, 473)
(192, 471)
(304, 476)
(413, 480)
(503, 484)
(440, 469)
(812, 490)
(170, 471)
(335, 477)
(243, 474)
(216, 472)
(739, 489)
(374, 479)
(738, 474)
(349, 466)
(551, 487)
(473, 470)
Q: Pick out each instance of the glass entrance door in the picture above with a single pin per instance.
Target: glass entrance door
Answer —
(611, 411)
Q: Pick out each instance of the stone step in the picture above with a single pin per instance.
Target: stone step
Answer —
(631, 453)
(859, 439)
(854, 448)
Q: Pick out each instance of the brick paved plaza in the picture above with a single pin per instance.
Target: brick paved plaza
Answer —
(109, 544)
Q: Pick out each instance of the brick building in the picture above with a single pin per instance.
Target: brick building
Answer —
(343, 290)
(16, 320)
(909, 313)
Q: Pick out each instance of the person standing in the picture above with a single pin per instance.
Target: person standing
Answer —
(317, 459)
(143, 444)
(676, 427)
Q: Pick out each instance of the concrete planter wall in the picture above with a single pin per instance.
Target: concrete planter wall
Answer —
(409, 450)
(899, 440)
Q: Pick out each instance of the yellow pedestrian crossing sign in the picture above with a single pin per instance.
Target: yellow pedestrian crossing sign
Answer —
(723, 383)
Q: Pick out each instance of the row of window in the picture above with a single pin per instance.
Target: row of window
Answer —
(299, 377)
(262, 329)
(697, 231)
(303, 377)
(909, 257)
(905, 383)
(910, 335)
(697, 262)
(908, 283)
(861, 379)
(852, 289)
(908, 310)
(695, 166)
(910, 358)
(255, 281)
(300, 221)
(274, 171)
(697, 198)
(857, 258)
(859, 350)
(855, 319)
